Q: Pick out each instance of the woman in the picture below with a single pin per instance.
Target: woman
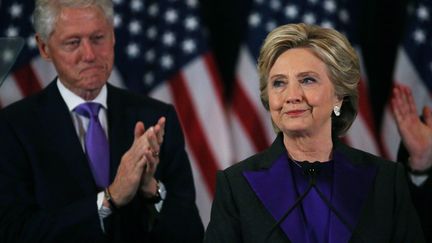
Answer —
(308, 186)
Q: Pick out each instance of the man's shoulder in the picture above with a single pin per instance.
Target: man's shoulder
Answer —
(135, 99)
(23, 106)
(48, 95)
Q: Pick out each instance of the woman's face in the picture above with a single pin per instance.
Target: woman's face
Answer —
(301, 95)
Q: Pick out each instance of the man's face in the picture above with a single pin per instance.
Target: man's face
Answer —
(81, 48)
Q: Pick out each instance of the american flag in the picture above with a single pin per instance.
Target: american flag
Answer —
(253, 128)
(413, 68)
(161, 50)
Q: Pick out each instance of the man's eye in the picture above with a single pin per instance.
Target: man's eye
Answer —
(98, 38)
(72, 43)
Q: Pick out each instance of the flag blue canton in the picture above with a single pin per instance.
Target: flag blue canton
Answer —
(15, 21)
(265, 16)
(417, 41)
(155, 39)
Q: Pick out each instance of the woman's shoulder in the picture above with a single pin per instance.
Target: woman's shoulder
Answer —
(362, 156)
(255, 162)
(245, 164)
(260, 160)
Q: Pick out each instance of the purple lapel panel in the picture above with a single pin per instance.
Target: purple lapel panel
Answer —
(351, 186)
(274, 187)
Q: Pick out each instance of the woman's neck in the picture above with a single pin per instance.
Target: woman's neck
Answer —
(309, 149)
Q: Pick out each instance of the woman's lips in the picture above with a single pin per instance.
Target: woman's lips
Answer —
(295, 112)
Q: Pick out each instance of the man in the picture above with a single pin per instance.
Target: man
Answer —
(76, 162)
(415, 152)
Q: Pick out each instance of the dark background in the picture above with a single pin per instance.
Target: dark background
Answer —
(381, 25)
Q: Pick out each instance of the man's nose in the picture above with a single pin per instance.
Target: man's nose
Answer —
(88, 51)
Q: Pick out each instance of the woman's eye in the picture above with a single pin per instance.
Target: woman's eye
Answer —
(307, 80)
(278, 83)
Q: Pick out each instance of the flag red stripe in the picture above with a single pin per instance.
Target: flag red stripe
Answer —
(27, 80)
(364, 107)
(249, 118)
(193, 131)
(365, 110)
(214, 73)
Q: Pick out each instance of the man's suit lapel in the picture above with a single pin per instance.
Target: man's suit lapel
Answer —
(59, 130)
(273, 184)
(121, 124)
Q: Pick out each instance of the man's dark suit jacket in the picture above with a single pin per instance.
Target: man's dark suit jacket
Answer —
(371, 195)
(47, 192)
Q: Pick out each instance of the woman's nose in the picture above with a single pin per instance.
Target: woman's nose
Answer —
(294, 93)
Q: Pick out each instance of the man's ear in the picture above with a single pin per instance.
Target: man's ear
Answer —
(43, 47)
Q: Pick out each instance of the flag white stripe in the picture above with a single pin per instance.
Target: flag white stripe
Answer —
(407, 75)
(360, 137)
(210, 114)
(243, 146)
(249, 81)
(44, 71)
(248, 75)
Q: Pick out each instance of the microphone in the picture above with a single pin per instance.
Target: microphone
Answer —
(338, 214)
(312, 170)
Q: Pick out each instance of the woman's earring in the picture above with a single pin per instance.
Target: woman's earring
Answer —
(336, 110)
